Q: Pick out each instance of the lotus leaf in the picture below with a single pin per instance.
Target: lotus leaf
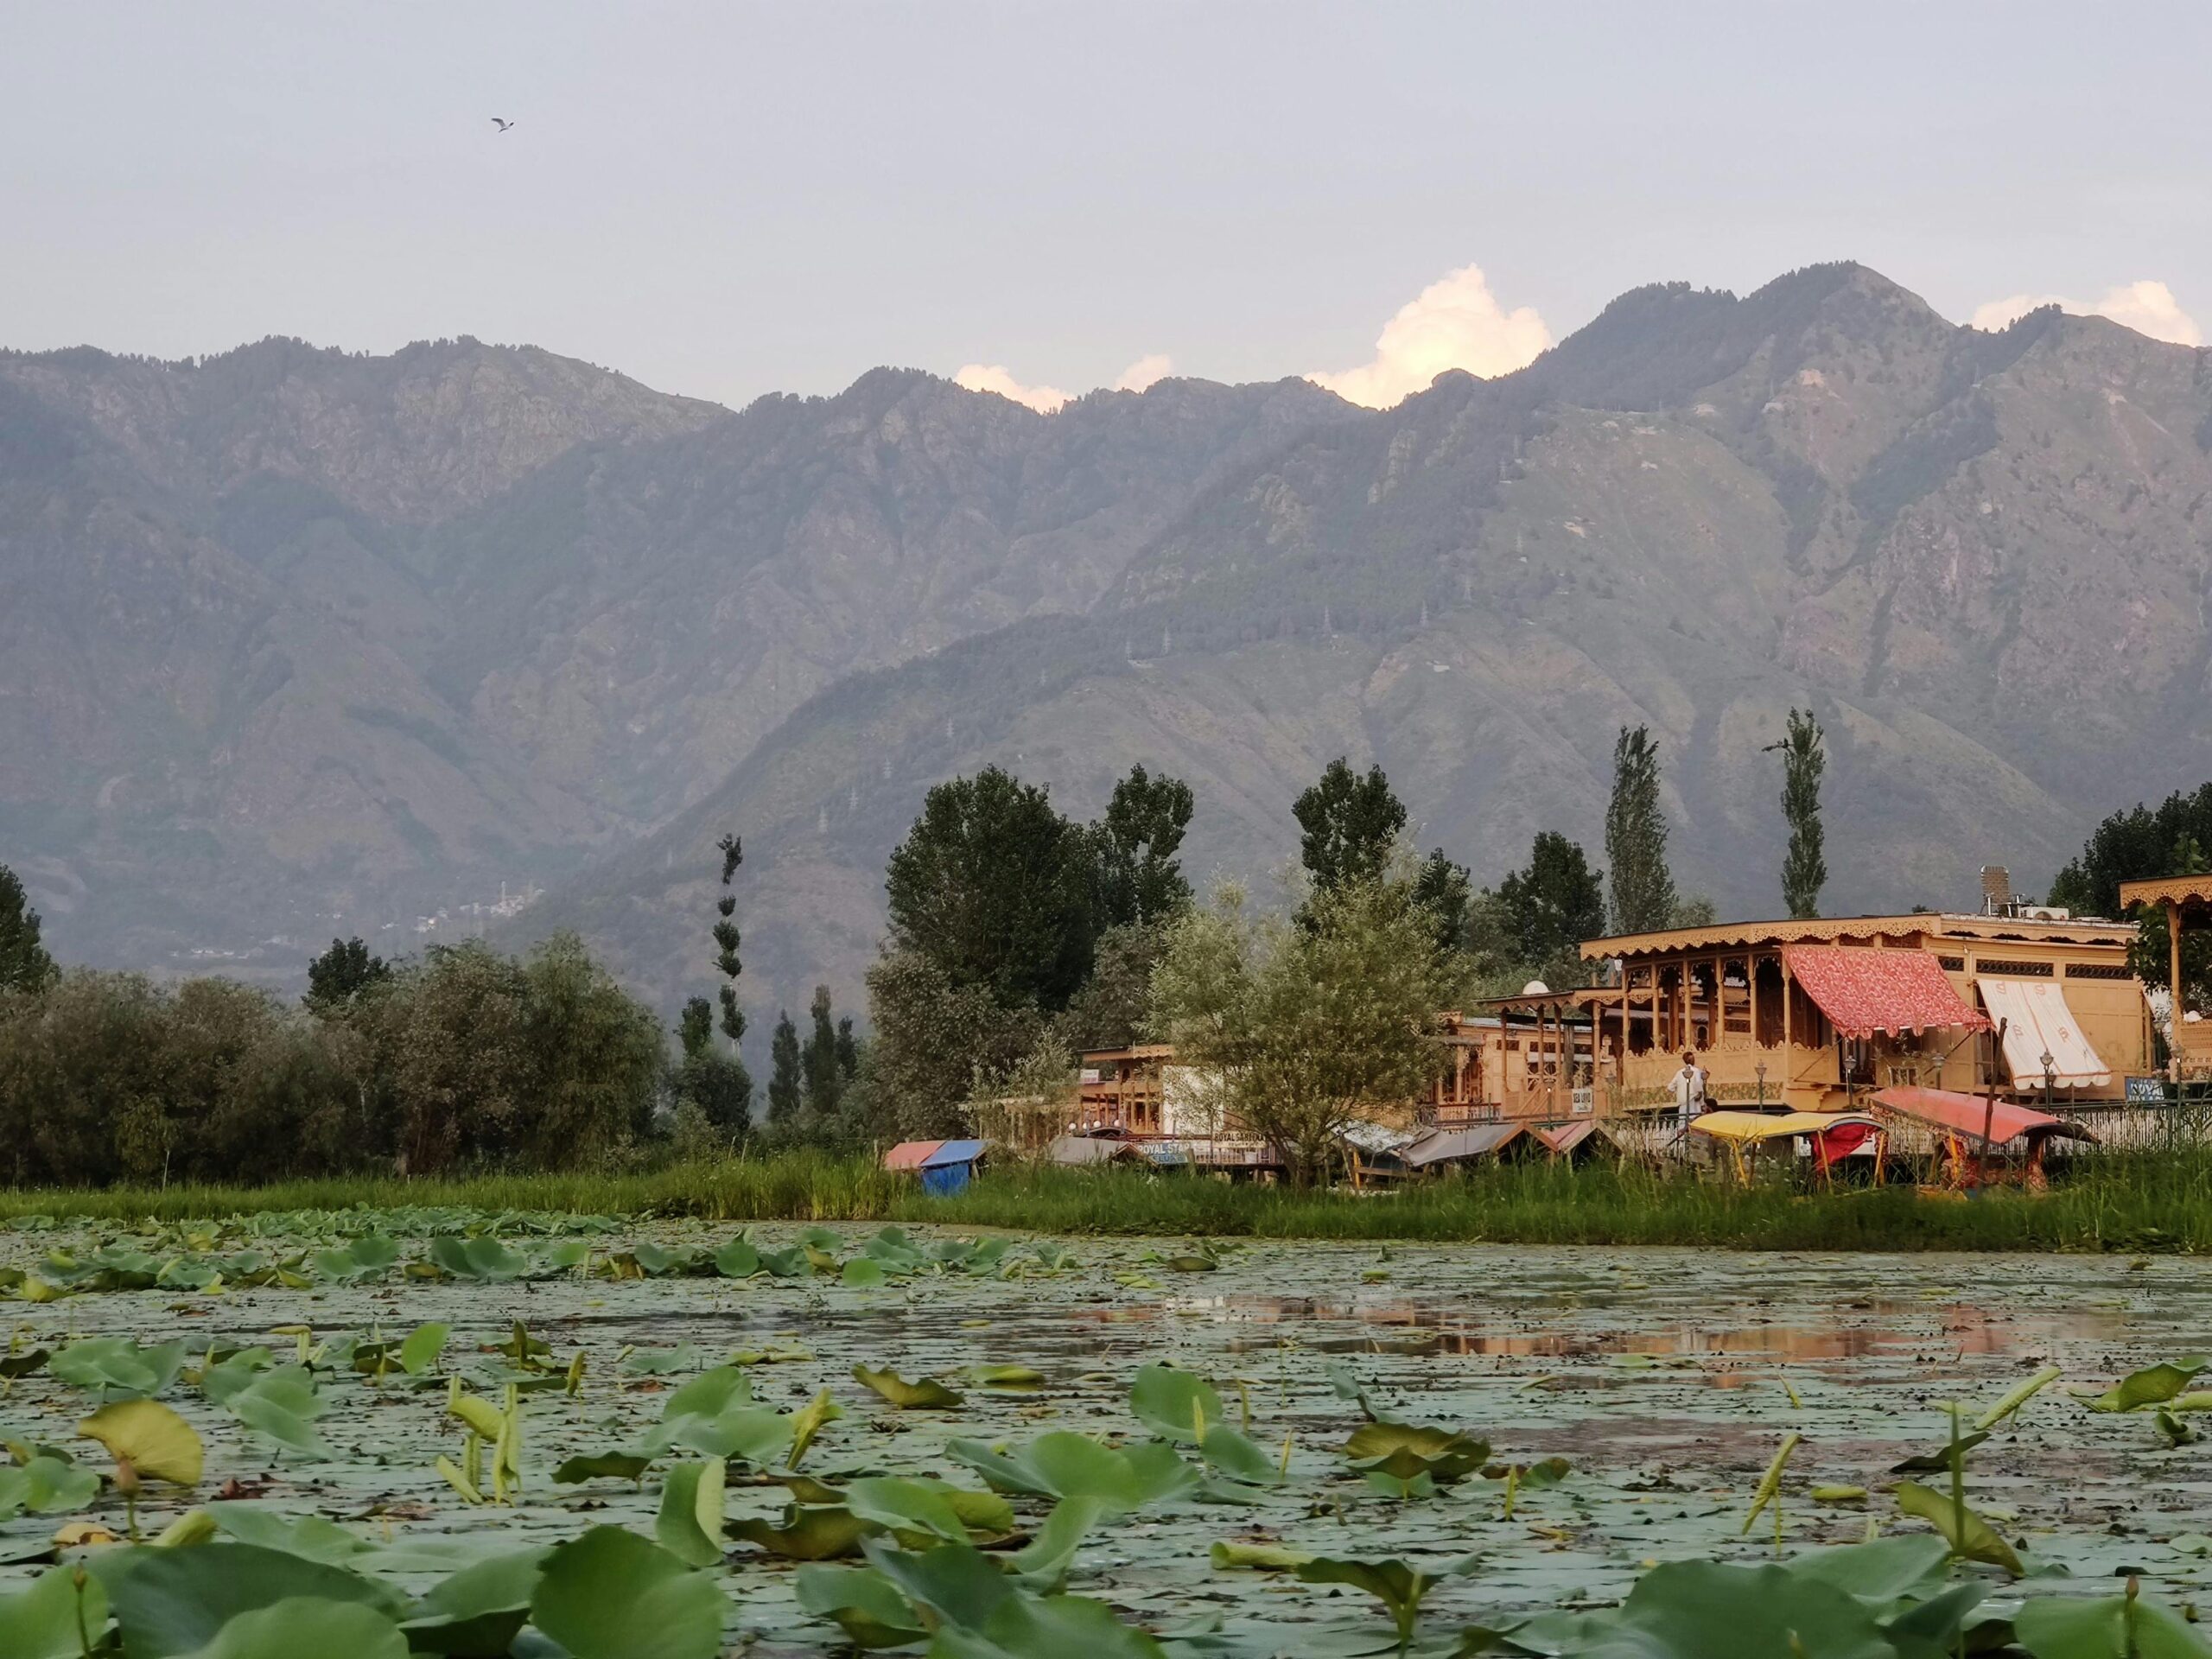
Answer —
(484, 1260)
(737, 1259)
(51, 1619)
(690, 1523)
(810, 1532)
(282, 1404)
(422, 1347)
(171, 1601)
(2112, 1627)
(905, 1506)
(864, 1604)
(475, 1612)
(862, 1274)
(1399, 1588)
(603, 1465)
(810, 1420)
(1233, 1454)
(1971, 1538)
(928, 1394)
(1027, 1627)
(1041, 1565)
(306, 1624)
(662, 1362)
(612, 1594)
(956, 1583)
(1698, 1610)
(119, 1368)
(1064, 1463)
(2150, 1386)
(1174, 1405)
(149, 1438)
(46, 1485)
(310, 1536)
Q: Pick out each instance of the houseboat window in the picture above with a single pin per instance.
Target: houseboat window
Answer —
(2099, 971)
(1952, 964)
(2015, 970)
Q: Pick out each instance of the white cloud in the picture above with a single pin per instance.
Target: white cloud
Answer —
(2147, 307)
(1155, 365)
(995, 376)
(1455, 323)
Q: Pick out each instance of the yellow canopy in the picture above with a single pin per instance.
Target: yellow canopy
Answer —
(1763, 1126)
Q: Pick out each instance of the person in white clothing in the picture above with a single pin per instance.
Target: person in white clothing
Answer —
(1688, 1085)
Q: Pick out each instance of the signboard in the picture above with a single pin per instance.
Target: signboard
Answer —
(2146, 1091)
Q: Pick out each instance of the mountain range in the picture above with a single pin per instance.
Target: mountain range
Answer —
(300, 643)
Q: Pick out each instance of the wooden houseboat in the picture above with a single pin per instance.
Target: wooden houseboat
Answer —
(1814, 1015)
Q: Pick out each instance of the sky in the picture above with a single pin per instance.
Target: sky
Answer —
(727, 200)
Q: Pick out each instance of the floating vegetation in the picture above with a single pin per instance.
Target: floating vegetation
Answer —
(477, 1433)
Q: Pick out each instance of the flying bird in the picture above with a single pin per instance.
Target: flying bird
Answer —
(501, 125)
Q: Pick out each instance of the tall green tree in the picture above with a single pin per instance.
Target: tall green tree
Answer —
(1349, 825)
(727, 940)
(1138, 878)
(1551, 906)
(1444, 892)
(709, 1082)
(1309, 1026)
(1636, 837)
(24, 965)
(1804, 758)
(825, 1076)
(342, 973)
(786, 1090)
(994, 887)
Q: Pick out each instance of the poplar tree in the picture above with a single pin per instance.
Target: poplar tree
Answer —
(825, 1076)
(1636, 837)
(1804, 758)
(24, 965)
(1349, 825)
(727, 939)
(784, 1088)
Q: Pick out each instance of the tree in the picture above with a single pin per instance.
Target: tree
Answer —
(708, 1084)
(825, 1076)
(785, 1091)
(1446, 891)
(2139, 844)
(1137, 877)
(1306, 1026)
(1111, 1009)
(849, 1049)
(1349, 826)
(1551, 907)
(342, 973)
(930, 1035)
(1636, 837)
(713, 1089)
(727, 939)
(994, 887)
(25, 965)
(1804, 758)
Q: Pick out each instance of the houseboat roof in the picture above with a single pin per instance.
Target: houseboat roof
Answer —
(2177, 889)
(1841, 929)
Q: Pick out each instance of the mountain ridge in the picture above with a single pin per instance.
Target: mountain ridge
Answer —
(286, 673)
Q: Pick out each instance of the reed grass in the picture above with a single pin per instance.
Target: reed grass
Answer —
(2134, 1203)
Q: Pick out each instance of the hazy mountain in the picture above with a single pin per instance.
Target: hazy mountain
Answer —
(299, 642)
(308, 641)
(1978, 556)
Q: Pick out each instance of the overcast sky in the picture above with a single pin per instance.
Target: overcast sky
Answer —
(726, 199)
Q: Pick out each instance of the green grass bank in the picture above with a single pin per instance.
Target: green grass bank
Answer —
(2150, 1203)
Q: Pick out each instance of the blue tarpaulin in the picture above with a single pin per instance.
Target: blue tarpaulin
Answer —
(947, 1171)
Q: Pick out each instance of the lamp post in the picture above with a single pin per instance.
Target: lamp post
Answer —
(2050, 1078)
(1761, 1069)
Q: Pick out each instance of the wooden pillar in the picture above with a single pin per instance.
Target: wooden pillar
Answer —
(1788, 1051)
(2173, 987)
